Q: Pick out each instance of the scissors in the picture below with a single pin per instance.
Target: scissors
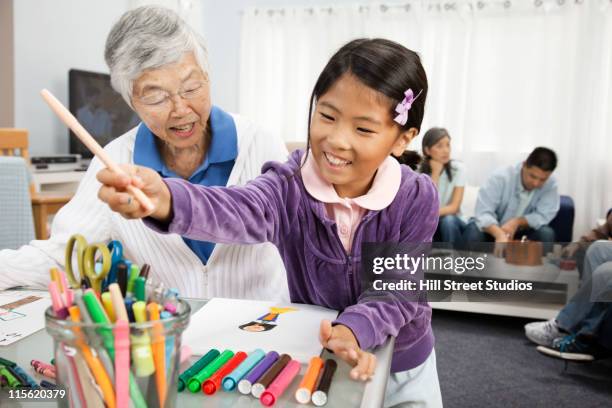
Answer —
(116, 252)
(86, 262)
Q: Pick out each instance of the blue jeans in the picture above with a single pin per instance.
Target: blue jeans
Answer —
(450, 229)
(473, 234)
(585, 312)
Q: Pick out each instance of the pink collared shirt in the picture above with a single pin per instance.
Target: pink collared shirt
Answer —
(348, 212)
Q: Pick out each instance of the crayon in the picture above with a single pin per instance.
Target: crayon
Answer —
(43, 368)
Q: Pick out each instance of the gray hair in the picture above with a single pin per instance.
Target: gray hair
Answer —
(148, 37)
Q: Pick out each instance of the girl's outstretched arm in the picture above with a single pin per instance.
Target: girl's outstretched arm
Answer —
(258, 212)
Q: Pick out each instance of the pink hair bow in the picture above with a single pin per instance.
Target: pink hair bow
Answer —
(404, 106)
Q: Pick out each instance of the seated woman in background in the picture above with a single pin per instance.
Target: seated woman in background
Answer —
(448, 175)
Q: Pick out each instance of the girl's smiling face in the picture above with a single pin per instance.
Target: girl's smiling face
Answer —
(351, 133)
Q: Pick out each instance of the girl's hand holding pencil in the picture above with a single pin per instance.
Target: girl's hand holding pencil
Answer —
(342, 342)
(116, 194)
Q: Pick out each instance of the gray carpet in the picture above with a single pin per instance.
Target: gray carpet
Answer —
(486, 361)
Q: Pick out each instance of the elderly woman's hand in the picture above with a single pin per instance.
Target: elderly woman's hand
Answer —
(114, 192)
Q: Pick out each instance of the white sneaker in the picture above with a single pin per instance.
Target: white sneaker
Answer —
(543, 333)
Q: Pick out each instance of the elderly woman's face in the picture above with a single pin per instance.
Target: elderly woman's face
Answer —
(174, 101)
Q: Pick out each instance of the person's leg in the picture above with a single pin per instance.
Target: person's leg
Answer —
(451, 229)
(598, 253)
(473, 238)
(418, 387)
(544, 234)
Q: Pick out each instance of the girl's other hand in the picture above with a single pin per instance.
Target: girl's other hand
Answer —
(342, 342)
(114, 192)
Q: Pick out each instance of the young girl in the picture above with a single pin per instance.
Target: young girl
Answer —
(322, 204)
(448, 176)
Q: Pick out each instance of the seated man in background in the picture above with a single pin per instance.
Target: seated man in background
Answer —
(516, 201)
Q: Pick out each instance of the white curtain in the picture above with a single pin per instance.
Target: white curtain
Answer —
(504, 77)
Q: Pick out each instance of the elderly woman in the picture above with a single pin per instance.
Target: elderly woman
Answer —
(158, 64)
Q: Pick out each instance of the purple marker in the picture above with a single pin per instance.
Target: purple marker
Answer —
(244, 386)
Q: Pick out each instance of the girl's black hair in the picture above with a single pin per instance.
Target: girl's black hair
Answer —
(431, 137)
(386, 67)
(266, 326)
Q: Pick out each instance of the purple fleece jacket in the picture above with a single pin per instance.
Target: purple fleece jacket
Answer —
(275, 207)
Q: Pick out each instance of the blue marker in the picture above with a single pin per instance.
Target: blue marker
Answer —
(29, 380)
(169, 342)
(128, 307)
(231, 380)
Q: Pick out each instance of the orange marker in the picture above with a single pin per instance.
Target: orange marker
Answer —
(93, 362)
(158, 345)
(304, 391)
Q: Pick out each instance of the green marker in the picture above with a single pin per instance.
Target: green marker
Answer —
(195, 383)
(139, 289)
(196, 368)
(134, 272)
(99, 316)
(10, 378)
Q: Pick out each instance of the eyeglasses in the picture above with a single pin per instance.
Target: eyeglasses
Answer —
(161, 98)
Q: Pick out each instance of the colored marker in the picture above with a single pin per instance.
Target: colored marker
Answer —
(260, 386)
(169, 346)
(306, 387)
(43, 368)
(139, 289)
(319, 397)
(57, 304)
(95, 365)
(231, 380)
(144, 271)
(280, 383)
(122, 277)
(102, 353)
(134, 272)
(117, 302)
(246, 384)
(129, 302)
(141, 344)
(196, 368)
(98, 316)
(195, 382)
(108, 306)
(158, 346)
(122, 362)
(210, 386)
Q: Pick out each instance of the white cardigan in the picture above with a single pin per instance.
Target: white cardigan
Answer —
(236, 271)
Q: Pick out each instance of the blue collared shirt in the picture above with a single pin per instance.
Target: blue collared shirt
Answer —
(214, 171)
(500, 200)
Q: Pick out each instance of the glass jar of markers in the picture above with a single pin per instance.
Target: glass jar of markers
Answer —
(107, 355)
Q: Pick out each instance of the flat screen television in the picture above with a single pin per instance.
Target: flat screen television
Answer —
(100, 109)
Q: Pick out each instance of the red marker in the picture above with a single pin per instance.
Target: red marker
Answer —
(280, 384)
(43, 368)
(211, 385)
